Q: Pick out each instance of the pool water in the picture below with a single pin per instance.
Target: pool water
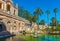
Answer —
(40, 38)
(15, 38)
(49, 38)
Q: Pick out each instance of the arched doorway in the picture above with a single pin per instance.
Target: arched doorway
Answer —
(2, 27)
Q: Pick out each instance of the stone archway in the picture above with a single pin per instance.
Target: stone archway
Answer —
(2, 27)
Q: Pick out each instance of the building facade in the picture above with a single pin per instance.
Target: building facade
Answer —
(9, 17)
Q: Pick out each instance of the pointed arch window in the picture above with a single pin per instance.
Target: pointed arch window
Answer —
(8, 7)
(0, 5)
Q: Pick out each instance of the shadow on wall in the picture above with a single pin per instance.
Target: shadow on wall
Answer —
(2, 27)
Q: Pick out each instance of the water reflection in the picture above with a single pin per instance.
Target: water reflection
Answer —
(49, 38)
(12, 39)
(40, 38)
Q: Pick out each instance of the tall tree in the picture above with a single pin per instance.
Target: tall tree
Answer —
(54, 21)
(38, 12)
(27, 16)
(55, 11)
(42, 22)
(48, 12)
(34, 18)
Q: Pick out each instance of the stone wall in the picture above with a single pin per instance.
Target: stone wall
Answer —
(12, 8)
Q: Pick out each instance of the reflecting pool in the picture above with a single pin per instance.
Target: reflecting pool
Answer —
(49, 38)
(12, 39)
(40, 38)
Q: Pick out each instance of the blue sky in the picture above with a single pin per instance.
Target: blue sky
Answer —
(30, 5)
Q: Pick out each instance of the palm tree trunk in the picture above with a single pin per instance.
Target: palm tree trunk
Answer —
(38, 22)
(55, 21)
(48, 24)
(48, 20)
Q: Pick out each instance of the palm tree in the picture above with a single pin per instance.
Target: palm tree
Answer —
(38, 12)
(42, 22)
(54, 21)
(34, 18)
(55, 11)
(27, 16)
(48, 12)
